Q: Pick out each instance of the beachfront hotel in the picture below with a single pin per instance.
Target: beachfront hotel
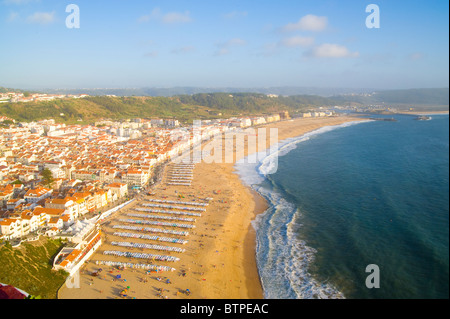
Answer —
(84, 239)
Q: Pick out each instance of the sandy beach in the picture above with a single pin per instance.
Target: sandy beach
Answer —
(219, 259)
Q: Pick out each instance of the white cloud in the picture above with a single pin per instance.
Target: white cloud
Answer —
(235, 14)
(155, 14)
(222, 51)
(269, 49)
(309, 22)
(224, 48)
(145, 43)
(235, 41)
(167, 18)
(327, 50)
(42, 17)
(12, 17)
(176, 17)
(151, 54)
(18, 2)
(183, 50)
(416, 56)
(297, 41)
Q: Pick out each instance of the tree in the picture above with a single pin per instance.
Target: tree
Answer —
(7, 122)
(47, 176)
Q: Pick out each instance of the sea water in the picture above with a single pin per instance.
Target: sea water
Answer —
(352, 195)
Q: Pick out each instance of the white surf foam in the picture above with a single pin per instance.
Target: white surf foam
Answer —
(283, 260)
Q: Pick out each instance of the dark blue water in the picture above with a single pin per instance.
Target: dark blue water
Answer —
(372, 193)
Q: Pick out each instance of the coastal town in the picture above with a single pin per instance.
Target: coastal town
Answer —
(61, 181)
(223, 158)
(15, 97)
(91, 166)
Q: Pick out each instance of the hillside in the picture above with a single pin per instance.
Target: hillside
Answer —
(211, 105)
(29, 268)
(414, 97)
(167, 92)
(90, 109)
(184, 107)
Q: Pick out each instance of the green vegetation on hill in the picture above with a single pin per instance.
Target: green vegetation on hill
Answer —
(430, 97)
(252, 103)
(154, 91)
(90, 109)
(6, 90)
(184, 107)
(29, 267)
(415, 96)
(207, 105)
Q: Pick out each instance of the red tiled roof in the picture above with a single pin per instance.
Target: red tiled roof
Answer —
(9, 292)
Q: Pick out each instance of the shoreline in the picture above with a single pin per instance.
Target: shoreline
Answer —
(259, 198)
(261, 204)
(220, 256)
(250, 243)
(424, 113)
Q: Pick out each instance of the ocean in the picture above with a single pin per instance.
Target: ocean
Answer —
(353, 195)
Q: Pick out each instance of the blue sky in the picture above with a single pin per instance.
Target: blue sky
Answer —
(224, 44)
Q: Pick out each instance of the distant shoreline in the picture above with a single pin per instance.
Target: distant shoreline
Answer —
(423, 113)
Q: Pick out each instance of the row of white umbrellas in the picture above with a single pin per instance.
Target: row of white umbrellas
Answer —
(175, 207)
(152, 230)
(129, 254)
(131, 265)
(173, 212)
(163, 201)
(149, 246)
(149, 216)
(150, 237)
(157, 223)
